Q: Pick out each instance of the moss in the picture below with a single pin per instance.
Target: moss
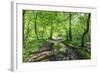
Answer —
(76, 43)
(83, 54)
(57, 46)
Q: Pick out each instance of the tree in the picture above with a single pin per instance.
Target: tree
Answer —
(52, 19)
(51, 31)
(23, 26)
(86, 31)
(27, 18)
(35, 24)
(70, 28)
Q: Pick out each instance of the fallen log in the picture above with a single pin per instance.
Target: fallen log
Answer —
(39, 56)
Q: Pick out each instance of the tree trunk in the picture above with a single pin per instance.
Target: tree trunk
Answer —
(43, 31)
(35, 25)
(52, 21)
(86, 31)
(51, 31)
(23, 28)
(66, 35)
(70, 32)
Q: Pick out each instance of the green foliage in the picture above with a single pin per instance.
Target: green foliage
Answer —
(83, 54)
(41, 26)
(57, 46)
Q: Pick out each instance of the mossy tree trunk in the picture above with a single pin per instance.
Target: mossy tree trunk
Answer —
(86, 31)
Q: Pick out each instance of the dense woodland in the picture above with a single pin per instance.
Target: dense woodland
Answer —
(56, 36)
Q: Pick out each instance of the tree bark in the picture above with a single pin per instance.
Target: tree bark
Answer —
(70, 28)
(66, 34)
(51, 31)
(86, 31)
(35, 25)
(23, 28)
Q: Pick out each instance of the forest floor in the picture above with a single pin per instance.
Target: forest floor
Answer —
(54, 50)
